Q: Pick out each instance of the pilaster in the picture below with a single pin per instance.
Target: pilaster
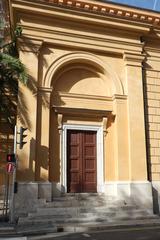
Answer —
(27, 106)
(136, 125)
(42, 136)
(121, 138)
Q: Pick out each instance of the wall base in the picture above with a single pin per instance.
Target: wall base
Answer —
(137, 192)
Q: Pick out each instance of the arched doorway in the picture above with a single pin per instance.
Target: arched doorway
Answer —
(84, 94)
(81, 105)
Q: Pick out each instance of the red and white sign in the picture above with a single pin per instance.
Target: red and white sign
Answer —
(10, 167)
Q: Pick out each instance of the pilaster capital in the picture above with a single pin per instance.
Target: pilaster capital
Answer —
(133, 59)
(60, 121)
(105, 120)
(44, 90)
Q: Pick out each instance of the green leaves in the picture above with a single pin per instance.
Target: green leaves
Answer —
(18, 31)
(12, 70)
(11, 66)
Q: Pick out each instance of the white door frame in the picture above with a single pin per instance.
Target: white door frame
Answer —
(100, 164)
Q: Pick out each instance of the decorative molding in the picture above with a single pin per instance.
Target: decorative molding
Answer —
(84, 96)
(153, 53)
(57, 33)
(109, 9)
(60, 121)
(119, 97)
(105, 120)
(83, 57)
(81, 111)
(133, 59)
(45, 89)
(102, 103)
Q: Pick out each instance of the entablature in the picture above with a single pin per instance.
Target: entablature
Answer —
(98, 8)
(85, 25)
(75, 27)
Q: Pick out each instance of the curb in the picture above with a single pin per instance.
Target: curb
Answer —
(76, 228)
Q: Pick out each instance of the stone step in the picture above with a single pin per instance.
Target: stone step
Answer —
(36, 229)
(87, 203)
(115, 214)
(75, 199)
(84, 196)
(76, 203)
(79, 220)
(85, 213)
(7, 231)
(113, 209)
(76, 209)
(55, 211)
(22, 212)
(81, 209)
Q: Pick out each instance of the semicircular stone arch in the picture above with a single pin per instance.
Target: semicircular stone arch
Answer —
(83, 73)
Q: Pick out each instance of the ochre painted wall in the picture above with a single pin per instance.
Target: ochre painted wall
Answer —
(76, 63)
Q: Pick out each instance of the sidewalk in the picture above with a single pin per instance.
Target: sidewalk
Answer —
(10, 231)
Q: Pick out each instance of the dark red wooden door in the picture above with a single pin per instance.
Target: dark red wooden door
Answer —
(81, 161)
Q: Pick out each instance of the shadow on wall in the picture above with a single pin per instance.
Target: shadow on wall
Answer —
(41, 164)
(23, 111)
(24, 118)
(6, 132)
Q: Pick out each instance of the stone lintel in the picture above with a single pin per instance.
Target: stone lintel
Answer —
(81, 111)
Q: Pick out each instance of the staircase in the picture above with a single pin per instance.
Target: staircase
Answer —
(74, 212)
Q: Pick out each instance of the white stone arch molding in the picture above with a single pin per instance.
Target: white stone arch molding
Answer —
(82, 57)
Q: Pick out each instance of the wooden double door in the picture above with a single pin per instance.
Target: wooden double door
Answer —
(81, 161)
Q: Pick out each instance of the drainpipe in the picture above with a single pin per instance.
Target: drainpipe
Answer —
(142, 39)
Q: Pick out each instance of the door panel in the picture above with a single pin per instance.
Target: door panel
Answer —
(81, 161)
(73, 161)
(89, 162)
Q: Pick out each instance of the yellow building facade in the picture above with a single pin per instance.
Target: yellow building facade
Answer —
(92, 103)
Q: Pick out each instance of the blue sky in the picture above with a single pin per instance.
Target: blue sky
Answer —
(149, 4)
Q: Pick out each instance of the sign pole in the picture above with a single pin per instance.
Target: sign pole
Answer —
(15, 139)
(7, 194)
(12, 206)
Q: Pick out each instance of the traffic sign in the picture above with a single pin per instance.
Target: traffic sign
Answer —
(10, 167)
(11, 157)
